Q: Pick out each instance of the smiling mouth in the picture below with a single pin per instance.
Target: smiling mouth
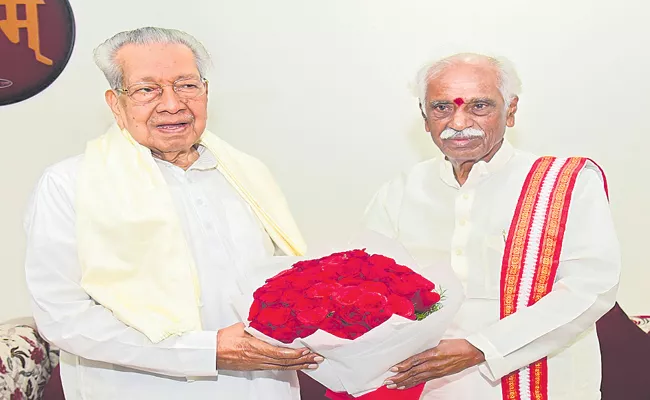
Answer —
(5, 83)
(173, 127)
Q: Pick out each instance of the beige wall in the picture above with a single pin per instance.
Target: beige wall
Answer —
(319, 90)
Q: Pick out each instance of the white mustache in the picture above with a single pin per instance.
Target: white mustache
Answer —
(466, 133)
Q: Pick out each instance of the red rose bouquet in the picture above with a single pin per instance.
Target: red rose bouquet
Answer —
(346, 294)
(362, 312)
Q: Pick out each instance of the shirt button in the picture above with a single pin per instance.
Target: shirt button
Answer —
(199, 202)
(462, 222)
(459, 252)
(465, 196)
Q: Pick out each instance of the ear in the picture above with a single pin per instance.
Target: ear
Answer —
(424, 117)
(512, 109)
(113, 102)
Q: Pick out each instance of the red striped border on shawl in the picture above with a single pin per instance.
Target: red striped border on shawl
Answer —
(548, 255)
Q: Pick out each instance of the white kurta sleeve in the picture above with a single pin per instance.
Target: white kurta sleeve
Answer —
(584, 290)
(65, 314)
(382, 212)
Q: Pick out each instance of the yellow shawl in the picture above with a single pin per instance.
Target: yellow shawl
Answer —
(134, 258)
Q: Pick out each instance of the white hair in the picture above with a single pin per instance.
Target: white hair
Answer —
(105, 53)
(508, 80)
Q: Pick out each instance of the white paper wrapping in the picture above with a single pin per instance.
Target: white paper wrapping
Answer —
(361, 365)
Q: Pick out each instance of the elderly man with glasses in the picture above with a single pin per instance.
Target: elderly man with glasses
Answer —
(136, 247)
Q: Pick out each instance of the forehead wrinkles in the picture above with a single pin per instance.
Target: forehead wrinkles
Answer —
(464, 89)
(465, 81)
(166, 62)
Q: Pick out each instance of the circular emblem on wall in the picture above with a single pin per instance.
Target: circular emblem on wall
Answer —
(36, 41)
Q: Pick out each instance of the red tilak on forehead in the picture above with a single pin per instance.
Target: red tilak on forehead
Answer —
(459, 102)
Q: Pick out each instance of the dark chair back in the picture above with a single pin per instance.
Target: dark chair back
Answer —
(625, 351)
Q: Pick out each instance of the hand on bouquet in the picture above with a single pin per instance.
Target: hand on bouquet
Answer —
(239, 351)
(449, 357)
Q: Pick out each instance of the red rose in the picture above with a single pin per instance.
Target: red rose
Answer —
(381, 262)
(418, 281)
(430, 298)
(359, 253)
(423, 301)
(266, 296)
(302, 280)
(346, 295)
(288, 332)
(291, 297)
(333, 325)
(3, 369)
(398, 286)
(265, 329)
(371, 301)
(401, 306)
(255, 309)
(377, 287)
(351, 267)
(351, 314)
(400, 269)
(325, 273)
(350, 281)
(305, 265)
(345, 255)
(376, 318)
(312, 317)
(354, 331)
(322, 290)
(304, 331)
(373, 272)
(307, 304)
(345, 263)
(335, 258)
(285, 334)
(275, 316)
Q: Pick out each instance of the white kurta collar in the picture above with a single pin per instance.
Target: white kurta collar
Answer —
(206, 161)
(480, 169)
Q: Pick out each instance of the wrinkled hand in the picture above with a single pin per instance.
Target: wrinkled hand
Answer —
(237, 350)
(449, 357)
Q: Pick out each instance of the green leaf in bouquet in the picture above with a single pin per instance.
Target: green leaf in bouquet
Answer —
(422, 315)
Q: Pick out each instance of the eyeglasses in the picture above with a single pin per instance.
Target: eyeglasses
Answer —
(146, 92)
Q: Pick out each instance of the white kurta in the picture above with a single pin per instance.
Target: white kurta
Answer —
(105, 359)
(440, 222)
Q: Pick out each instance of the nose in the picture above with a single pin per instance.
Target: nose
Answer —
(460, 120)
(170, 101)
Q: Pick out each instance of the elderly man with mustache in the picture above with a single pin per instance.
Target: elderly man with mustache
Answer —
(531, 239)
(136, 247)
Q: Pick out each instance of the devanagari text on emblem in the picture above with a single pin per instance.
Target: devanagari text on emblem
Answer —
(11, 25)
